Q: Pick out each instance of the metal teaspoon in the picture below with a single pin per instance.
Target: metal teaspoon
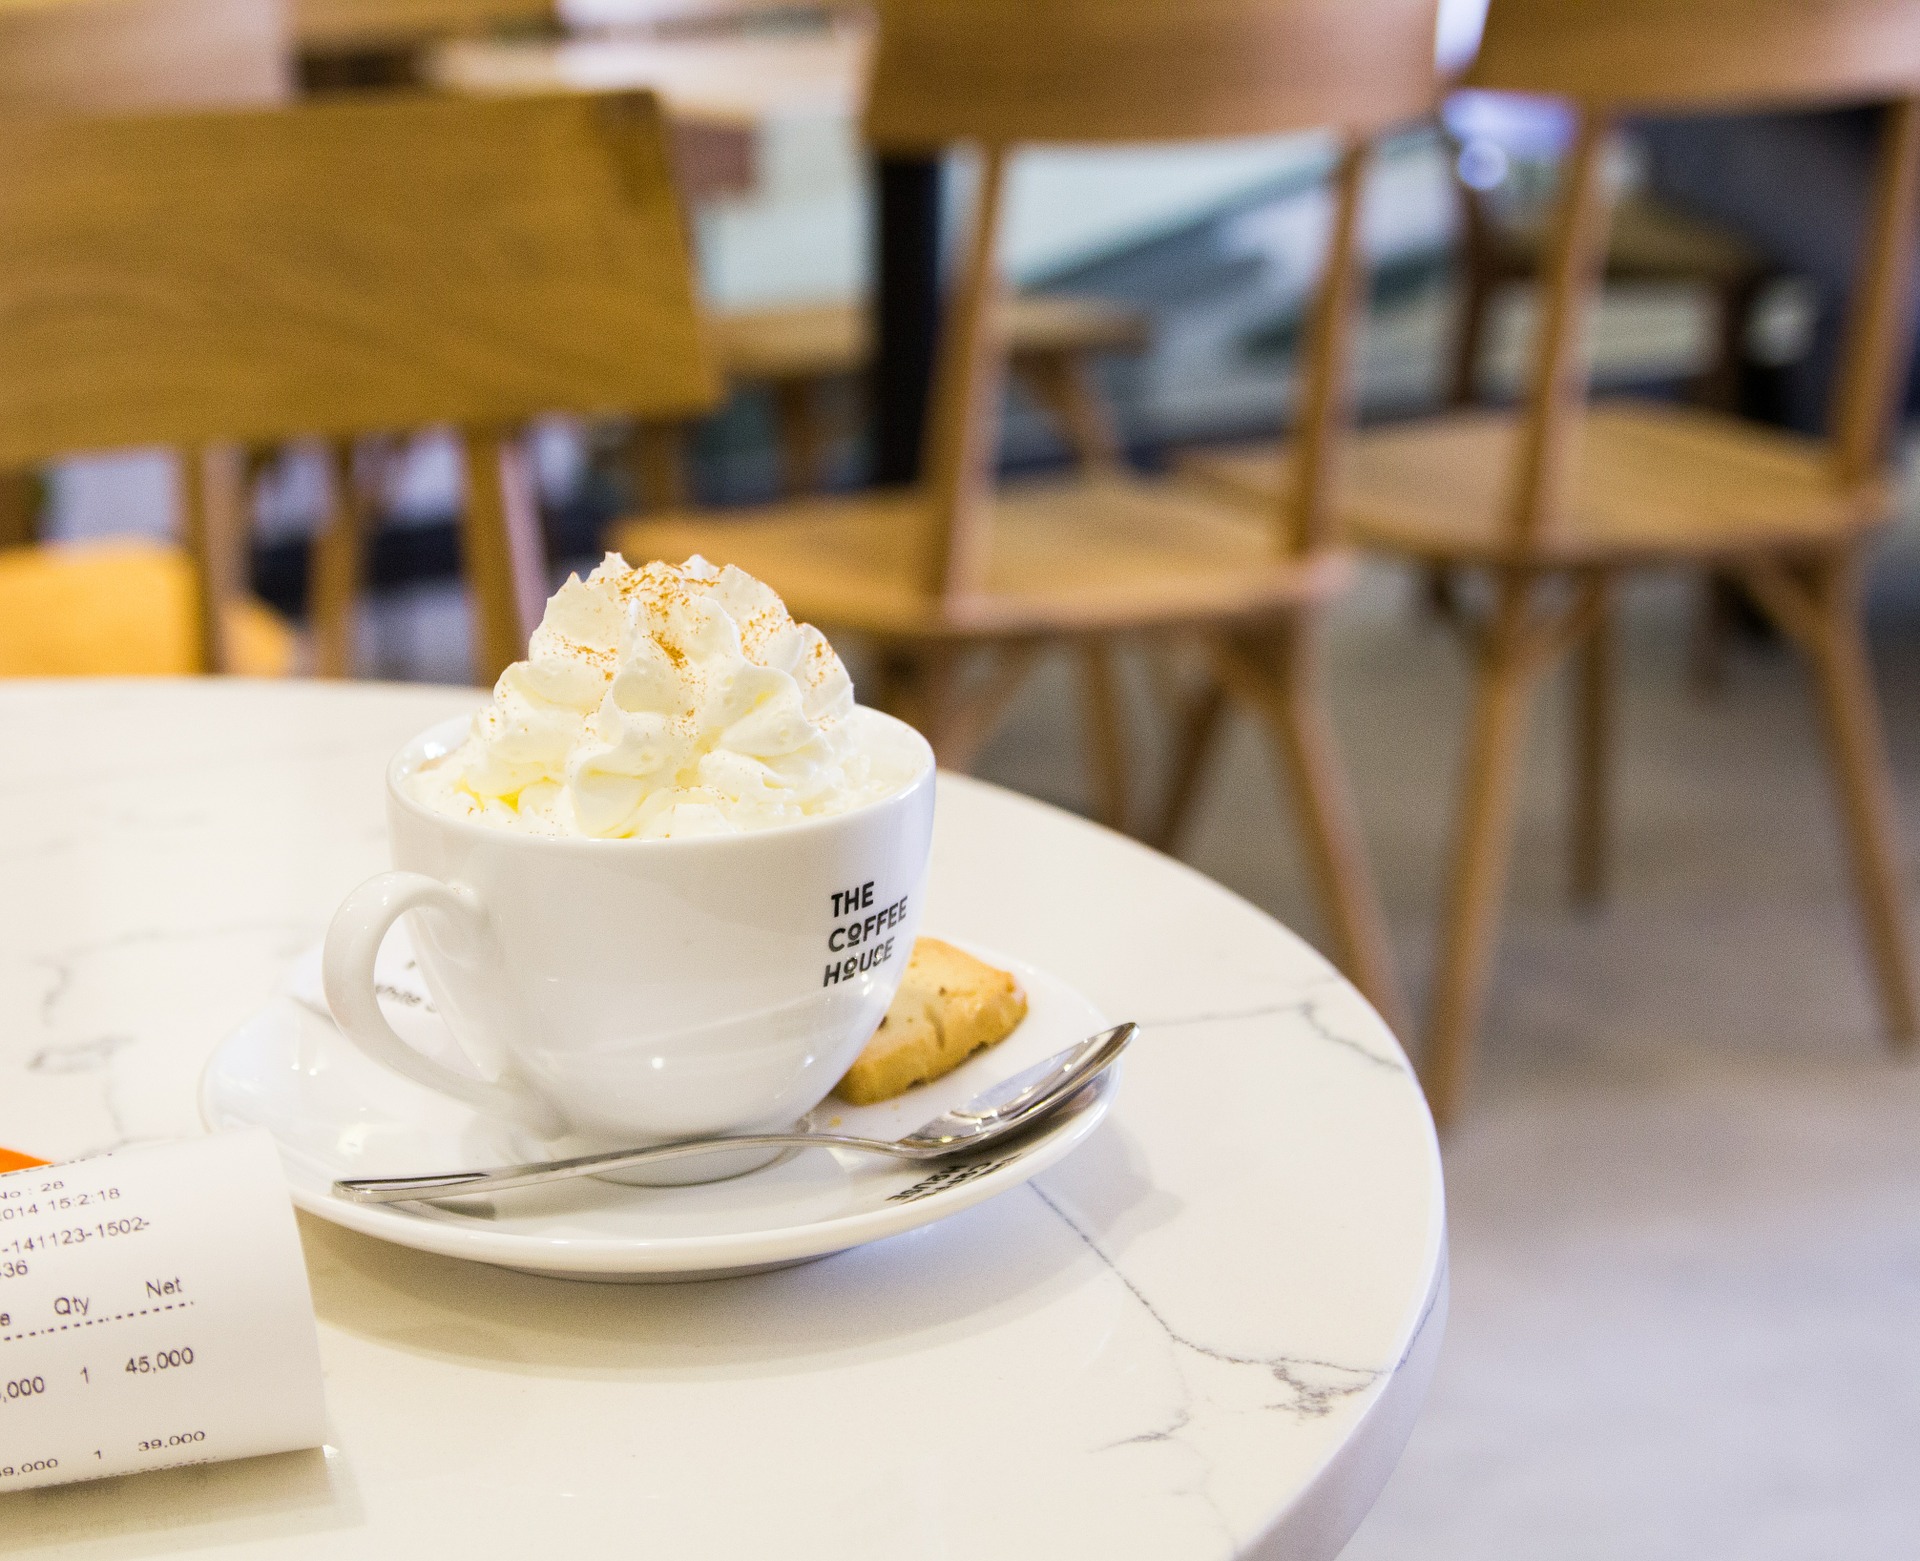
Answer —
(1011, 1105)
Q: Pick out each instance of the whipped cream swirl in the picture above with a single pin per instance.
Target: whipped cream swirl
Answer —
(663, 701)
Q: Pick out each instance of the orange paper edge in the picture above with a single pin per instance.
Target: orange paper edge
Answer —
(13, 1160)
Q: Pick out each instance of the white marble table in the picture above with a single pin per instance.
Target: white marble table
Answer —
(1207, 1334)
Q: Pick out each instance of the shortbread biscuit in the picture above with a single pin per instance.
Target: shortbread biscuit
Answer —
(950, 1006)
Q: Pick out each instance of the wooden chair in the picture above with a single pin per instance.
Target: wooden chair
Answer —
(949, 570)
(796, 353)
(1555, 502)
(338, 269)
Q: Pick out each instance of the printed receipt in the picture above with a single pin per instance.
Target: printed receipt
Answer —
(153, 1311)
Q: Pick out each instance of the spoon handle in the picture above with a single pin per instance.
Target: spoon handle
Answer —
(460, 1184)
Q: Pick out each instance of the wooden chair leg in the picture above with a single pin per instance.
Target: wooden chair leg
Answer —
(803, 437)
(915, 685)
(924, 686)
(20, 502)
(333, 585)
(1106, 734)
(1592, 767)
(215, 521)
(505, 556)
(657, 465)
(1719, 386)
(1440, 595)
(935, 705)
(1470, 327)
(1063, 383)
(886, 689)
(1277, 673)
(1862, 775)
(1712, 631)
(970, 715)
(1517, 650)
(1200, 729)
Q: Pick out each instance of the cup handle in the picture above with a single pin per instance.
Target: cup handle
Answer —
(358, 929)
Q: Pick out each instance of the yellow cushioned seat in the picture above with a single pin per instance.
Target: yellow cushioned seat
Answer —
(120, 609)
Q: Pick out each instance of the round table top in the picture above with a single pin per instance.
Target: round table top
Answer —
(1205, 1334)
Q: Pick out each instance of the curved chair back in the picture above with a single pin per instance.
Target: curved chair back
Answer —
(998, 73)
(1680, 56)
(336, 268)
(1009, 71)
(1700, 54)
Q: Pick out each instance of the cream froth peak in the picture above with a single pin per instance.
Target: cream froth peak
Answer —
(672, 699)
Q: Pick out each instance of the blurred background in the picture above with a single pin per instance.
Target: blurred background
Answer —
(1686, 1260)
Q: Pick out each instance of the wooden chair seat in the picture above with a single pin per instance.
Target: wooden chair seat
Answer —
(1653, 483)
(820, 341)
(1067, 557)
(123, 609)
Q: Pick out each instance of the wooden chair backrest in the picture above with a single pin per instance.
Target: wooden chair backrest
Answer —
(997, 73)
(1680, 56)
(1001, 72)
(338, 268)
(1676, 55)
(127, 56)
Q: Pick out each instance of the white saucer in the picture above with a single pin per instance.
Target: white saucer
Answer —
(335, 1113)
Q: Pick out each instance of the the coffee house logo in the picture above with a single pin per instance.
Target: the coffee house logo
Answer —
(863, 939)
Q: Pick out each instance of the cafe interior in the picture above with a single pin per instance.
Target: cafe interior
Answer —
(1443, 474)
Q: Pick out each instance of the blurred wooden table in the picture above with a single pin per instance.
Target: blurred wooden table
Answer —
(720, 88)
(739, 77)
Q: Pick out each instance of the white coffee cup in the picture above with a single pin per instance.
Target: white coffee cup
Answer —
(626, 992)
